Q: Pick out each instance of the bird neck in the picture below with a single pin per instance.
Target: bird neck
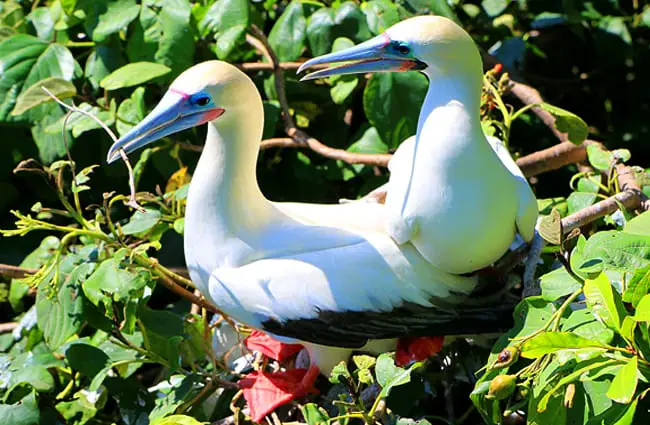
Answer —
(463, 89)
(224, 192)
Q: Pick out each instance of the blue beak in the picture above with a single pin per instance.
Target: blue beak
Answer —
(171, 115)
(370, 56)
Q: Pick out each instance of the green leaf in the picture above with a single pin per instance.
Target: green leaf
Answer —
(341, 369)
(589, 184)
(24, 412)
(35, 95)
(133, 74)
(494, 8)
(35, 376)
(392, 104)
(103, 60)
(380, 15)
(87, 359)
(624, 384)
(287, 36)
(567, 122)
(615, 25)
(617, 251)
(433, 7)
(627, 418)
(350, 22)
(314, 415)
(176, 46)
(545, 206)
(164, 323)
(604, 302)
(80, 123)
(131, 111)
(551, 342)
(228, 20)
(119, 14)
(557, 284)
(61, 316)
(638, 286)
(142, 221)
(178, 420)
(370, 142)
(642, 313)
(639, 225)
(111, 283)
(584, 324)
(319, 31)
(183, 389)
(580, 200)
(389, 375)
(34, 260)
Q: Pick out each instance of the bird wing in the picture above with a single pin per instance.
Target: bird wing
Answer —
(348, 294)
(357, 215)
(527, 211)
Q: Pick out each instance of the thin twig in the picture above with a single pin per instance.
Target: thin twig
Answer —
(132, 202)
(7, 327)
(14, 272)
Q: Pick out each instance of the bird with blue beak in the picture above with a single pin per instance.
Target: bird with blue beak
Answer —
(355, 276)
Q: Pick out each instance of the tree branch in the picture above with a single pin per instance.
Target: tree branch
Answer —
(299, 137)
(14, 272)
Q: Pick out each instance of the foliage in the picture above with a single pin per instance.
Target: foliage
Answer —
(101, 339)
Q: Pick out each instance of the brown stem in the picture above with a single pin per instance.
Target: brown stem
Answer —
(14, 272)
(7, 327)
(553, 158)
(301, 138)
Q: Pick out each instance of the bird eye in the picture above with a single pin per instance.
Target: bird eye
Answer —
(402, 48)
(201, 100)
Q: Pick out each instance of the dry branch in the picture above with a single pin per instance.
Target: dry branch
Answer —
(301, 138)
(14, 272)
(7, 327)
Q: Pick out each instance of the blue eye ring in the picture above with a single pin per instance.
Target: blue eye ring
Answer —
(200, 99)
(402, 48)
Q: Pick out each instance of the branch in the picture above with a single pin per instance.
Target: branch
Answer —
(553, 158)
(7, 327)
(14, 272)
(631, 198)
(530, 96)
(299, 137)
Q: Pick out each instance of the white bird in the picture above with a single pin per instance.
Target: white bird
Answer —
(449, 194)
(328, 276)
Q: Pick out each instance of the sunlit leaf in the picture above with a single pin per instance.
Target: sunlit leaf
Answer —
(35, 95)
(569, 123)
(133, 74)
(287, 36)
(604, 302)
(624, 384)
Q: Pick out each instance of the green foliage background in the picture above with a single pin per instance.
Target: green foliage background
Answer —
(101, 338)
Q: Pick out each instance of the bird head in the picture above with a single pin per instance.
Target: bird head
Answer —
(209, 91)
(432, 44)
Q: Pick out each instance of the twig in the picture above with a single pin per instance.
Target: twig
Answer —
(132, 202)
(7, 327)
(530, 96)
(14, 272)
(302, 139)
(553, 158)
(531, 286)
(607, 206)
(266, 66)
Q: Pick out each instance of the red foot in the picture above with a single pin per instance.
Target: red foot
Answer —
(417, 349)
(259, 341)
(266, 391)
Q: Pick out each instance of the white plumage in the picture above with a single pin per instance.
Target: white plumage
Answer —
(302, 270)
